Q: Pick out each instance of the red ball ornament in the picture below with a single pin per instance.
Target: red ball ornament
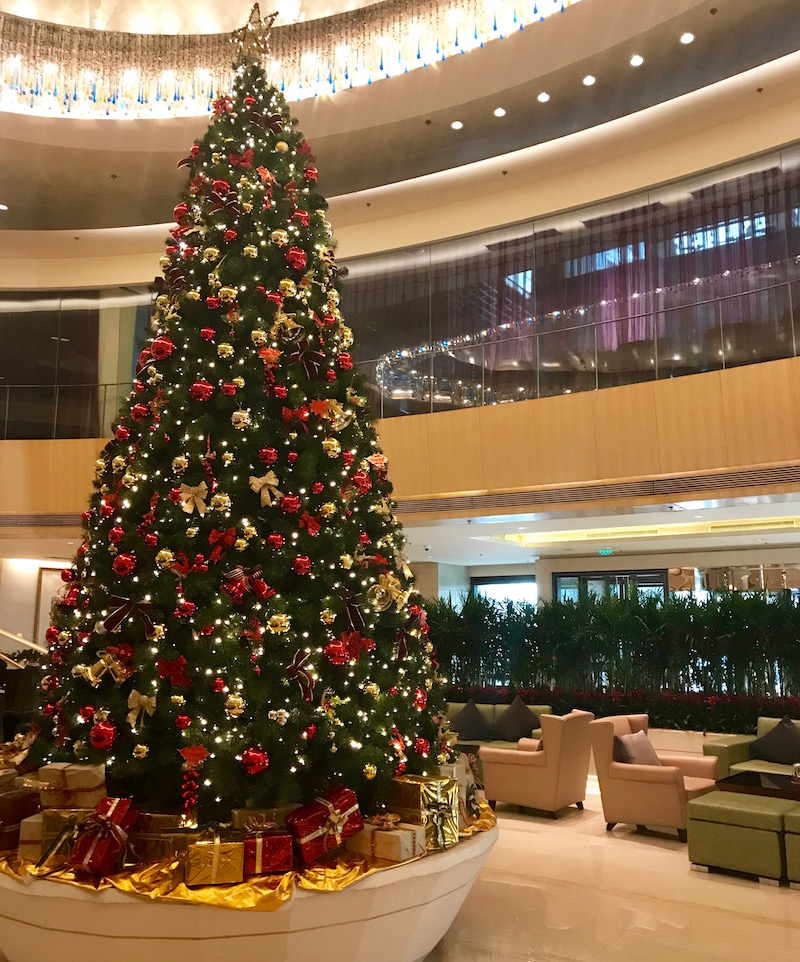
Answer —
(292, 456)
(185, 608)
(268, 455)
(103, 735)
(202, 390)
(138, 386)
(345, 361)
(151, 540)
(281, 391)
(348, 457)
(302, 564)
(229, 235)
(317, 487)
(330, 375)
(249, 101)
(221, 186)
(420, 698)
(179, 211)
(107, 508)
(212, 303)
(194, 153)
(422, 747)
(275, 540)
(393, 691)
(51, 635)
(310, 732)
(183, 722)
(122, 433)
(124, 564)
(208, 333)
(116, 534)
(255, 760)
(291, 504)
(175, 495)
(311, 175)
(218, 684)
(400, 768)
(362, 481)
(228, 389)
(86, 714)
(296, 258)
(364, 539)
(49, 710)
(275, 297)
(139, 411)
(67, 575)
(161, 348)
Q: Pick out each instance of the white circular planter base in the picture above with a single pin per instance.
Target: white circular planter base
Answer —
(397, 916)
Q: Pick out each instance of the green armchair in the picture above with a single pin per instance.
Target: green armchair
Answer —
(736, 752)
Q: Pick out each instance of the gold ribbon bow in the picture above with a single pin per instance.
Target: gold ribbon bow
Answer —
(267, 487)
(193, 497)
(386, 822)
(387, 590)
(259, 823)
(139, 705)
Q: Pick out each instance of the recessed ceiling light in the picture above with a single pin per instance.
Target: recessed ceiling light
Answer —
(687, 37)
(3, 206)
(543, 97)
(456, 125)
(499, 112)
(588, 80)
(637, 60)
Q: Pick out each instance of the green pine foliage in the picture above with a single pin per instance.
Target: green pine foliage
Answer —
(241, 590)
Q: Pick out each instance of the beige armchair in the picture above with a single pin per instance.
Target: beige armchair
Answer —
(646, 794)
(549, 779)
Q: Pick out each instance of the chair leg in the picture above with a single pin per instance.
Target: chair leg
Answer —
(682, 834)
(553, 814)
(610, 826)
(641, 828)
(493, 803)
(580, 805)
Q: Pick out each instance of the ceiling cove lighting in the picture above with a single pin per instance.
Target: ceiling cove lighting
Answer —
(456, 125)
(589, 80)
(637, 60)
(687, 37)
(164, 75)
(543, 97)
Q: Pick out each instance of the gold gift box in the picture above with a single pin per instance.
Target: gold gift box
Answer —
(214, 863)
(250, 819)
(429, 801)
(152, 838)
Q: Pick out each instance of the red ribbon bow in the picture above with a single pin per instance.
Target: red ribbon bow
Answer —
(274, 122)
(127, 607)
(301, 415)
(311, 523)
(297, 672)
(241, 582)
(220, 541)
(175, 671)
(351, 610)
(242, 161)
(228, 202)
(310, 359)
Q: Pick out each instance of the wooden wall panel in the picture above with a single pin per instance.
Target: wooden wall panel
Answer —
(565, 438)
(47, 477)
(405, 443)
(761, 413)
(626, 438)
(690, 421)
(454, 449)
(508, 446)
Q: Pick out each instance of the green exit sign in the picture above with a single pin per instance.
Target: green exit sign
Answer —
(605, 551)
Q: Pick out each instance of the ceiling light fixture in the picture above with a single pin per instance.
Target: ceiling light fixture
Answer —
(456, 125)
(687, 37)
(588, 80)
(637, 60)
(499, 112)
(543, 97)
(3, 206)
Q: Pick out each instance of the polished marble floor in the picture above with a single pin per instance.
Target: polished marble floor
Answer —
(568, 891)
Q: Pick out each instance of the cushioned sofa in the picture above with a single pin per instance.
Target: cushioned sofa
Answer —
(491, 713)
(737, 754)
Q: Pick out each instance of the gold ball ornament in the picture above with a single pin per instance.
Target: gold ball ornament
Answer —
(128, 479)
(158, 632)
(99, 466)
(178, 700)
(118, 464)
(370, 771)
(225, 350)
(258, 337)
(193, 295)
(346, 561)
(239, 382)
(211, 253)
(247, 207)
(282, 147)
(328, 510)
(162, 301)
(140, 751)
(333, 297)
(327, 617)
(64, 637)
(227, 294)
(279, 237)
(240, 419)
(279, 624)
(164, 262)
(249, 531)
(240, 544)
(372, 689)
(79, 749)
(234, 705)
(331, 447)
(180, 464)
(227, 458)
(192, 532)
(287, 287)
(250, 250)
(164, 558)
(220, 502)
(101, 714)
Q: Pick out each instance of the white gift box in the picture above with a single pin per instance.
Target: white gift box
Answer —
(397, 844)
(30, 838)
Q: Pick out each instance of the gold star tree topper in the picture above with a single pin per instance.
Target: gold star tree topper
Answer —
(253, 38)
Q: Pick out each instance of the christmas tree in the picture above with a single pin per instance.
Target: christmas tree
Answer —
(238, 625)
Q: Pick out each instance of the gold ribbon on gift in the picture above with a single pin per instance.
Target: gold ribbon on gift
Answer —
(140, 705)
(259, 823)
(194, 497)
(266, 487)
(334, 823)
(386, 822)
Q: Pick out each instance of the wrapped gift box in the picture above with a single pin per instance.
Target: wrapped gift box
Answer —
(389, 839)
(8, 777)
(214, 862)
(268, 852)
(14, 807)
(59, 831)
(251, 819)
(325, 823)
(66, 785)
(468, 808)
(429, 801)
(30, 838)
(102, 839)
(153, 839)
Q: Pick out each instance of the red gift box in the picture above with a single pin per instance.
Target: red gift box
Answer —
(325, 823)
(104, 837)
(267, 853)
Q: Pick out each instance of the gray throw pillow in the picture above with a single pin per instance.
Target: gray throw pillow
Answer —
(780, 745)
(470, 724)
(516, 722)
(635, 749)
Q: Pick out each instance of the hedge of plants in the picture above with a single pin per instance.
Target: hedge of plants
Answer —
(711, 666)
